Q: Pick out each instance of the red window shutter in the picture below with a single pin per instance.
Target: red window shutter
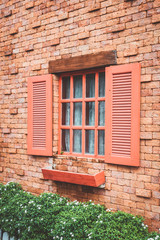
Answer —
(40, 115)
(123, 114)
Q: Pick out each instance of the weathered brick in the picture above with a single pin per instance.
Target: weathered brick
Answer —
(29, 5)
(13, 111)
(8, 52)
(156, 18)
(13, 30)
(7, 92)
(36, 24)
(7, 13)
(94, 6)
(143, 193)
(146, 121)
(146, 135)
(63, 16)
(6, 130)
(117, 28)
(146, 78)
(36, 67)
(13, 70)
(20, 172)
(156, 209)
(55, 42)
(54, 30)
(29, 48)
(83, 35)
(131, 51)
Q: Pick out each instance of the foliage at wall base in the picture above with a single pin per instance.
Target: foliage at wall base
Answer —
(50, 216)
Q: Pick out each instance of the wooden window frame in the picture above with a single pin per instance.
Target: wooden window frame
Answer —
(72, 100)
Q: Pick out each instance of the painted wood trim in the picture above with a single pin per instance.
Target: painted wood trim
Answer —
(83, 62)
(133, 158)
(75, 178)
(47, 151)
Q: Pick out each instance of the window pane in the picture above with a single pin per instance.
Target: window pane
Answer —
(77, 141)
(66, 114)
(101, 113)
(77, 81)
(102, 84)
(89, 141)
(90, 85)
(90, 113)
(77, 114)
(101, 142)
(65, 140)
(66, 87)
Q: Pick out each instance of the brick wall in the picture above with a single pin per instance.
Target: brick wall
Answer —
(34, 32)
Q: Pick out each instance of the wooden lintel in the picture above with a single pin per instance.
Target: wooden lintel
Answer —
(83, 62)
(75, 178)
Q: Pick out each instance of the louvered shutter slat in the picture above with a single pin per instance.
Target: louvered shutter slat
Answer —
(123, 114)
(40, 115)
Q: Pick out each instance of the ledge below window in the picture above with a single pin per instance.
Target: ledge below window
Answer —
(76, 178)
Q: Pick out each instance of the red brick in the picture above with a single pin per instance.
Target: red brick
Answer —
(62, 31)
(6, 130)
(131, 51)
(63, 16)
(143, 193)
(20, 172)
(94, 6)
(13, 30)
(83, 35)
(36, 67)
(117, 28)
(36, 24)
(7, 13)
(156, 209)
(13, 111)
(29, 5)
(55, 42)
(7, 92)
(146, 135)
(156, 18)
(29, 48)
(13, 70)
(156, 194)
(8, 52)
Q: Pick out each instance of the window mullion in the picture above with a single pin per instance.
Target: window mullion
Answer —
(83, 113)
(71, 114)
(96, 114)
(60, 114)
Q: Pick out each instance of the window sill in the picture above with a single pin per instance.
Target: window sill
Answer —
(76, 178)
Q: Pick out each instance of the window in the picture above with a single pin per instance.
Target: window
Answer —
(99, 114)
(82, 114)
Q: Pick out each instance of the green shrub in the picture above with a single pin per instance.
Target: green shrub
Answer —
(50, 216)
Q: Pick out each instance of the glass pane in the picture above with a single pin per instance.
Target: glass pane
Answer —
(77, 81)
(101, 142)
(102, 84)
(77, 114)
(77, 141)
(101, 113)
(89, 141)
(66, 87)
(90, 85)
(65, 140)
(90, 113)
(66, 114)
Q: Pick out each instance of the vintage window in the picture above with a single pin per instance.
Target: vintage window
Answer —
(82, 114)
(99, 114)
